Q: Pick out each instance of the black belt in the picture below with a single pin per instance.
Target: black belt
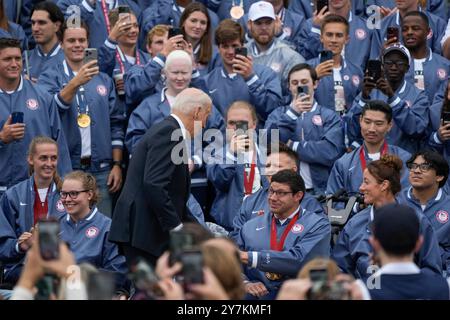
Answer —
(85, 161)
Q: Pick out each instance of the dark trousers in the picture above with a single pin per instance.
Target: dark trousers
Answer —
(132, 255)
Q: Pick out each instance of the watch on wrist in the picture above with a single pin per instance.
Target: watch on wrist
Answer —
(117, 163)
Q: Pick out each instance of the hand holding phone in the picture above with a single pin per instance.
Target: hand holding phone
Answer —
(320, 4)
(326, 55)
(240, 51)
(445, 118)
(124, 11)
(302, 91)
(174, 32)
(178, 242)
(374, 69)
(192, 271)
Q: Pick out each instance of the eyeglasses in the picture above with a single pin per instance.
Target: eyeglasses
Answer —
(423, 166)
(390, 63)
(71, 194)
(278, 193)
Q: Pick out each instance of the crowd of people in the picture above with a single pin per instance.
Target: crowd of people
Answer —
(181, 149)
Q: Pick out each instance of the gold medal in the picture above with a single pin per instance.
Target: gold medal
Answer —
(236, 12)
(83, 120)
(273, 276)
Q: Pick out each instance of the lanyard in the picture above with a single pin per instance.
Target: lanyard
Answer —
(248, 180)
(274, 244)
(40, 209)
(121, 64)
(362, 156)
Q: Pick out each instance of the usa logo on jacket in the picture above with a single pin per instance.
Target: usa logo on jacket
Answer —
(32, 104)
(92, 232)
(442, 216)
(101, 90)
(297, 228)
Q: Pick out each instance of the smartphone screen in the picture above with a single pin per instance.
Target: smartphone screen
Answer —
(374, 69)
(302, 90)
(318, 275)
(241, 51)
(445, 117)
(320, 4)
(326, 55)
(16, 117)
(192, 271)
(178, 242)
(49, 239)
(392, 32)
(124, 11)
(174, 32)
(90, 54)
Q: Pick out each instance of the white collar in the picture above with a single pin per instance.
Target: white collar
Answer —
(19, 88)
(438, 195)
(180, 123)
(53, 52)
(89, 217)
(230, 75)
(282, 221)
(403, 87)
(398, 268)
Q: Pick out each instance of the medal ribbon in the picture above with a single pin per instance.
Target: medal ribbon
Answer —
(274, 244)
(248, 180)
(362, 155)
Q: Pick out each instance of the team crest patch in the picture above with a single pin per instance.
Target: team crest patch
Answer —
(346, 77)
(101, 90)
(297, 228)
(287, 31)
(32, 104)
(317, 120)
(59, 206)
(355, 80)
(92, 232)
(275, 67)
(442, 216)
(360, 34)
(442, 74)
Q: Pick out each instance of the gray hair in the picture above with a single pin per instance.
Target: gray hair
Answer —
(190, 98)
(178, 55)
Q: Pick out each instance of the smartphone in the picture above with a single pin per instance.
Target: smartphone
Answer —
(178, 242)
(392, 32)
(317, 275)
(241, 50)
(101, 285)
(326, 55)
(192, 271)
(374, 69)
(445, 117)
(302, 90)
(174, 32)
(90, 54)
(49, 239)
(124, 11)
(320, 4)
(17, 117)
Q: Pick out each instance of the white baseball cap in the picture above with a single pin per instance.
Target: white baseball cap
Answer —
(261, 9)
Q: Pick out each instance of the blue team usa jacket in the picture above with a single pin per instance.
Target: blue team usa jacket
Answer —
(352, 249)
(107, 125)
(437, 211)
(410, 110)
(309, 238)
(41, 119)
(317, 136)
(16, 217)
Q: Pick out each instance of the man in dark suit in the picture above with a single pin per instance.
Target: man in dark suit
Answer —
(153, 200)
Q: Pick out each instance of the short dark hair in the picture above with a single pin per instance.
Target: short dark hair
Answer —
(83, 25)
(227, 31)
(437, 162)
(54, 14)
(396, 227)
(302, 66)
(378, 105)
(281, 147)
(334, 18)
(419, 14)
(291, 178)
(10, 43)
